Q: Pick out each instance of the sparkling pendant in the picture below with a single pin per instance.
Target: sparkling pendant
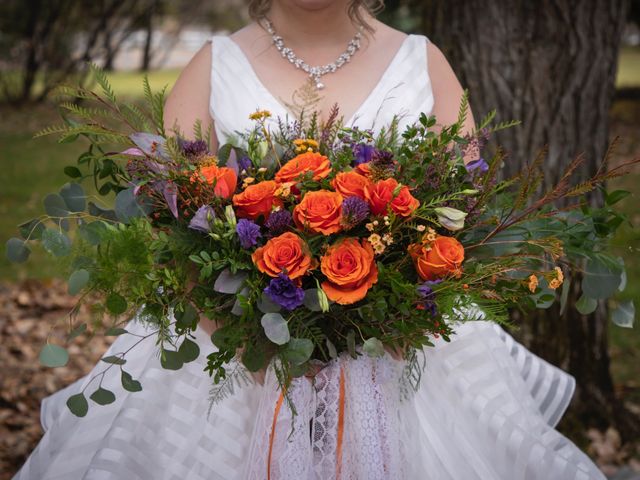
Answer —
(319, 85)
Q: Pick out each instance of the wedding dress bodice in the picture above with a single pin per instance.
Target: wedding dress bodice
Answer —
(486, 407)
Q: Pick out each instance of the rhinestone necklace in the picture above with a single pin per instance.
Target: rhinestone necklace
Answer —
(316, 72)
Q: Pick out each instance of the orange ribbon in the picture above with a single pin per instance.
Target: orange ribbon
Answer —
(340, 436)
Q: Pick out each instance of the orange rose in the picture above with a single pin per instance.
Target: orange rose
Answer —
(445, 257)
(299, 165)
(381, 196)
(364, 169)
(350, 270)
(319, 211)
(223, 179)
(351, 184)
(256, 200)
(285, 253)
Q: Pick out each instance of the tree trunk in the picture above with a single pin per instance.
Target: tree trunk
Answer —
(552, 65)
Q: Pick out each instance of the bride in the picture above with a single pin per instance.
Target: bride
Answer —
(486, 407)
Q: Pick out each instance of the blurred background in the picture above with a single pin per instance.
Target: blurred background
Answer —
(569, 69)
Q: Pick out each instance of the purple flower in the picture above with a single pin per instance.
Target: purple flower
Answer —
(284, 292)
(426, 291)
(363, 153)
(244, 163)
(354, 211)
(201, 220)
(248, 233)
(477, 166)
(194, 149)
(278, 222)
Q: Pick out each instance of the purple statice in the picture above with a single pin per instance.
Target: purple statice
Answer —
(354, 211)
(363, 153)
(426, 292)
(194, 149)
(478, 166)
(248, 233)
(284, 292)
(278, 222)
(201, 221)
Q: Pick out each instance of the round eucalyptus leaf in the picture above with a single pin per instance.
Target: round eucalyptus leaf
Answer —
(311, 300)
(624, 315)
(266, 305)
(56, 242)
(92, 232)
(586, 305)
(171, 360)
(74, 197)
(55, 205)
(298, 350)
(601, 280)
(116, 304)
(186, 315)
(275, 328)
(127, 206)
(77, 281)
(32, 229)
(98, 211)
(373, 347)
(102, 396)
(189, 350)
(53, 356)
(129, 383)
(17, 250)
(78, 405)
(228, 282)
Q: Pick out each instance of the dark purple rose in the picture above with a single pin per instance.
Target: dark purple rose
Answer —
(194, 149)
(354, 211)
(363, 153)
(426, 291)
(248, 233)
(278, 222)
(477, 166)
(201, 220)
(284, 292)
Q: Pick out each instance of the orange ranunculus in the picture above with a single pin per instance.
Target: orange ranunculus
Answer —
(256, 200)
(299, 165)
(351, 184)
(443, 258)
(320, 212)
(350, 269)
(224, 179)
(381, 196)
(285, 253)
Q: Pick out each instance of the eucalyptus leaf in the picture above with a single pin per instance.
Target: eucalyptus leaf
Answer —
(298, 350)
(114, 360)
(128, 383)
(31, 230)
(116, 304)
(78, 405)
(72, 172)
(311, 300)
(351, 344)
(115, 332)
(105, 213)
(53, 356)
(77, 281)
(189, 350)
(624, 315)
(254, 358)
(186, 316)
(127, 206)
(17, 250)
(275, 328)
(102, 396)
(79, 330)
(266, 305)
(228, 282)
(373, 347)
(55, 206)
(93, 232)
(171, 360)
(56, 242)
(333, 352)
(586, 305)
(74, 197)
(600, 280)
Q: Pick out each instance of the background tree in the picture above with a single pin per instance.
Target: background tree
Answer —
(551, 64)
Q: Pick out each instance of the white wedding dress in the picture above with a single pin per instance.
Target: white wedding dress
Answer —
(486, 407)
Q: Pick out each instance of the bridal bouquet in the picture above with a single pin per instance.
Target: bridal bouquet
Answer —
(306, 241)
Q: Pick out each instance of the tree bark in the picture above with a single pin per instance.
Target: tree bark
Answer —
(552, 65)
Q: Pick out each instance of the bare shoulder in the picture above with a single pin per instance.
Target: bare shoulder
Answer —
(189, 98)
(447, 90)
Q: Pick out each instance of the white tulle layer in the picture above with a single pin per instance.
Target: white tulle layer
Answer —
(485, 410)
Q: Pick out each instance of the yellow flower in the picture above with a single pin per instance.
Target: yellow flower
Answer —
(370, 227)
(374, 239)
(260, 115)
(533, 283)
(306, 145)
(378, 248)
(387, 238)
(559, 274)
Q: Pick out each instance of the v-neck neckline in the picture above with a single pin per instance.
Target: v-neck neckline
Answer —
(357, 111)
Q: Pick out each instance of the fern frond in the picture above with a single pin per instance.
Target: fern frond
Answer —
(103, 82)
(236, 377)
